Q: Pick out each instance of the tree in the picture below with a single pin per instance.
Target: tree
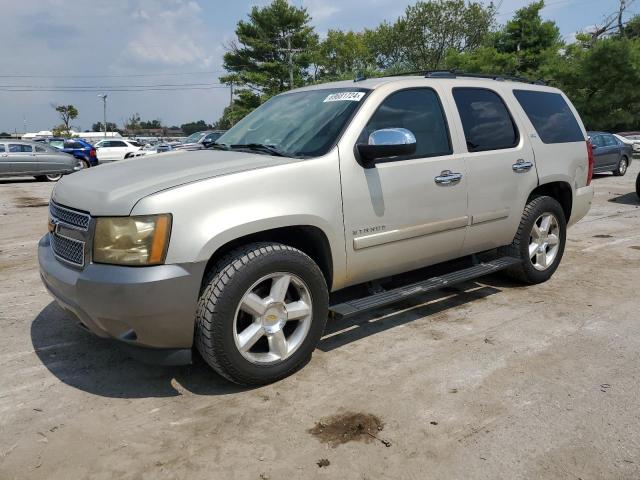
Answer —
(99, 127)
(67, 113)
(192, 127)
(428, 30)
(132, 124)
(529, 38)
(342, 55)
(151, 124)
(274, 44)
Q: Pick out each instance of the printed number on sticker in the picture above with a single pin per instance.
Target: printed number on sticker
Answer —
(344, 97)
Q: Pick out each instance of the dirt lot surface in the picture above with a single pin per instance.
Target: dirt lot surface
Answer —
(491, 381)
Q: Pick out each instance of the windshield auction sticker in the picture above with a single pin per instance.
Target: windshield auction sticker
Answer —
(344, 97)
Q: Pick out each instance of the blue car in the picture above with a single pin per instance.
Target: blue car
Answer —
(80, 149)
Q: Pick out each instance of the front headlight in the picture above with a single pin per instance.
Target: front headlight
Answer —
(139, 240)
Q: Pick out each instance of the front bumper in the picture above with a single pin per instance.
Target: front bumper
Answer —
(581, 204)
(149, 307)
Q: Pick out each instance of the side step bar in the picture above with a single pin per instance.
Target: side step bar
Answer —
(365, 304)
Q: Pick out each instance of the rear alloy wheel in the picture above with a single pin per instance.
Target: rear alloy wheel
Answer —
(638, 186)
(539, 242)
(261, 314)
(53, 178)
(622, 167)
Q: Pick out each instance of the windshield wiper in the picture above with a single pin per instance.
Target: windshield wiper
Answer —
(218, 146)
(260, 147)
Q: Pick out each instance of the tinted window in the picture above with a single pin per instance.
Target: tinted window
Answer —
(212, 137)
(597, 140)
(17, 148)
(486, 121)
(1, 147)
(40, 148)
(551, 116)
(419, 111)
(115, 143)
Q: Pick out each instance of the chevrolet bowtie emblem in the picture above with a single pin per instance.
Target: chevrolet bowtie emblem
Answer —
(52, 225)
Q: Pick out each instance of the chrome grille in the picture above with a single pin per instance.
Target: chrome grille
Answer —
(68, 249)
(68, 216)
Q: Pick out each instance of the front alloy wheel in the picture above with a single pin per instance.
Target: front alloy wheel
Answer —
(273, 318)
(544, 241)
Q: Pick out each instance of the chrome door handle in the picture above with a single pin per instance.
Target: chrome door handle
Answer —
(447, 177)
(522, 166)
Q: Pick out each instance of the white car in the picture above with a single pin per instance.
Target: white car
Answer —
(116, 149)
(633, 140)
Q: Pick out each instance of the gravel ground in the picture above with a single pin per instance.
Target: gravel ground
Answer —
(493, 380)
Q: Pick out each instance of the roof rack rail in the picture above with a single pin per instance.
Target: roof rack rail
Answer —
(459, 73)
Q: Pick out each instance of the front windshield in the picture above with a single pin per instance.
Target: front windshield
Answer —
(300, 124)
(195, 137)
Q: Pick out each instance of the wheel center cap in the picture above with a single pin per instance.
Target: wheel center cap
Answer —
(274, 318)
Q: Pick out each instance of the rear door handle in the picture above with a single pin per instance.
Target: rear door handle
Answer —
(447, 177)
(522, 166)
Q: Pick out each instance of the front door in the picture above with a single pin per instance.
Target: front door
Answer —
(404, 212)
(500, 164)
(23, 159)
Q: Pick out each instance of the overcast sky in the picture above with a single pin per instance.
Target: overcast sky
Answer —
(47, 41)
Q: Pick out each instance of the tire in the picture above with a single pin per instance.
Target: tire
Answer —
(638, 186)
(86, 163)
(532, 270)
(49, 178)
(622, 168)
(237, 280)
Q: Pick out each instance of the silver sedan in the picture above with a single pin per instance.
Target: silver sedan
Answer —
(34, 159)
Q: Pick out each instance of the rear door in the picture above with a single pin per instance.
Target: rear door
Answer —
(612, 148)
(23, 159)
(118, 149)
(500, 166)
(50, 160)
(104, 151)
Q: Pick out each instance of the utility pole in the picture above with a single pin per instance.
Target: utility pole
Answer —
(104, 112)
(290, 51)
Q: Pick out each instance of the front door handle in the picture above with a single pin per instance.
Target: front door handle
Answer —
(447, 177)
(522, 166)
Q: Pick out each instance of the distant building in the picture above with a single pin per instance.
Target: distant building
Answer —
(85, 135)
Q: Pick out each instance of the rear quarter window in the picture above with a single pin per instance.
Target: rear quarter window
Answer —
(550, 115)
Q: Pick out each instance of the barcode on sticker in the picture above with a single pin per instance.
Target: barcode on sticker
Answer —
(344, 97)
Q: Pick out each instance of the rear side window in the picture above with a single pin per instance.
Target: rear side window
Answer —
(419, 111)
(486, 121)
(17, 148)
(609, 141)
(73, 145)
(116, 143)
(40, 149)
(550, 115)
(1, 147)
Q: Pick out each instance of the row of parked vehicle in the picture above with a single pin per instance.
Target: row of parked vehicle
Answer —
(48, 159)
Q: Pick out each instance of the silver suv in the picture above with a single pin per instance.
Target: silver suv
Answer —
(241, 250)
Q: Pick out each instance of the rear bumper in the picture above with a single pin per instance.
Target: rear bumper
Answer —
(581, 204)
(150, 309)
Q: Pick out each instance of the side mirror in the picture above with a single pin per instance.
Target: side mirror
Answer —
(387, 142)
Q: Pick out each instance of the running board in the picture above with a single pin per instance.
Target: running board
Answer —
(371, 302)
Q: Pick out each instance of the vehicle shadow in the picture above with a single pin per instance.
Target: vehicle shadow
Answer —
(339, 333)
(630, 198)
(102, 367)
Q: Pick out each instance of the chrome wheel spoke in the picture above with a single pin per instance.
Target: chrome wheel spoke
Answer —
(297, 310)
(278, 344)
(546, 223)
(279, 288)
(533, 249)
(535, 233)
(249, 336)
(541, 259)
(253, 305)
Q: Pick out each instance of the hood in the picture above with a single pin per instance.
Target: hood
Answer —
(114, 188)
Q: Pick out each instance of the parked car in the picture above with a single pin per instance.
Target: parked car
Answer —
(34, 159)
(633, 137)
(81, 149)
(116, 149)
(152, 150)
(200, 140)
(638, 186)
(241, 250)
(610, 154)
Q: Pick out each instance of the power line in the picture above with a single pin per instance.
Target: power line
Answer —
(103, 87)
(94, 90)
(124, 75)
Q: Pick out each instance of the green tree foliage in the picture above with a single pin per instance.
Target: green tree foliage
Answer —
(99, 127)
(67, 113)
(192, 127)
(344, 54)
(602, 81)
(151, 124)
(272, 41)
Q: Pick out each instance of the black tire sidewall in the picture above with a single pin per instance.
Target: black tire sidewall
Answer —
(286, 261)
(543, 205)
(638, 186)
(617, 171)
